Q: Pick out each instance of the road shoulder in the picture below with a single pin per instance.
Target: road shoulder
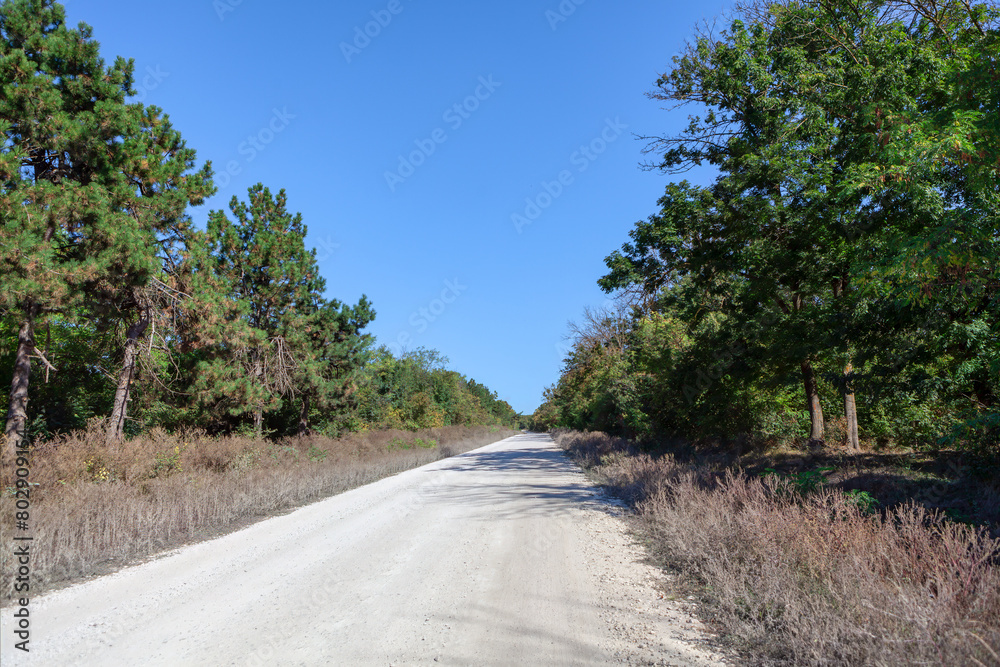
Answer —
(648, 627)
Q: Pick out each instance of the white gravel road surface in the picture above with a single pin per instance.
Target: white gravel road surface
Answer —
(505, 555)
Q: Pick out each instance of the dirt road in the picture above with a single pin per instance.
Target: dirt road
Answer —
(505, 555)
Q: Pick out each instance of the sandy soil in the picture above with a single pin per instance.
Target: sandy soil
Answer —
(505, 555)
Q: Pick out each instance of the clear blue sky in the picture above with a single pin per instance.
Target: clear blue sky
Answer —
(409, 149)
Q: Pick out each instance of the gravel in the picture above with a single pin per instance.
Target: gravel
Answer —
(506, 555)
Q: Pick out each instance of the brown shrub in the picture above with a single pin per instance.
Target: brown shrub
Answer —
(95, 508)
(813, 580)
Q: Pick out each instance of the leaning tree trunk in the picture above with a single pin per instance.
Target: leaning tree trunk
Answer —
(17, 411)
(116, 429)
(812, 402)
(851, 410)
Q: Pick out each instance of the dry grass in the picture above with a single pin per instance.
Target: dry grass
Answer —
(792, 578)
(93, 509)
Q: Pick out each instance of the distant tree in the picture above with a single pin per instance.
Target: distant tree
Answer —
(332, 352)
(291, 341)
(416, 390)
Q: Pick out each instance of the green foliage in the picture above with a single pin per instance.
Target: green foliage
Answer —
(863, 500)
(166, 463)
(78, 391)
(109, 290)
(416, 391)
(316, 455)
(400, 443)
(803, 482)
(848, 245)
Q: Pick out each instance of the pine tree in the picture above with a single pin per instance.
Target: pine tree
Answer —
(299, 344)
(91, 183)
(332, 352)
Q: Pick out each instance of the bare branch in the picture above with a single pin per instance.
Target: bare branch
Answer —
(45, 362)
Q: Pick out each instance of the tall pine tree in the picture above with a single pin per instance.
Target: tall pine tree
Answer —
(295, 342)
(90, 184)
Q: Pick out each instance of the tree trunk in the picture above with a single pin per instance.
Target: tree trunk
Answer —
(850, 411)
(116, 429)
(258, 423)
(258, 413)
(304, 416)
(812, 402)
(17, 411)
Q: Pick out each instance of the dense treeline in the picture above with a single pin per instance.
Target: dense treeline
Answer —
(839, 279)
(115, 307)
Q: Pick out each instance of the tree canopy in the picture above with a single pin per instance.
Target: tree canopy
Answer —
(850, 236)
(131, 315)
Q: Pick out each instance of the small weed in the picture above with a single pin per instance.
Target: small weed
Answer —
(287, 449)
(863, 500)
(166, 464)
(96, 470)
(804, 482)
(243, 461)
(316, 455)
(11, 491)
(398, 443)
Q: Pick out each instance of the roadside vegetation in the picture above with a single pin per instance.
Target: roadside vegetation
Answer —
(95, 509)
(838, 280)
(115, 308)
(797, 569)
(169, 382)
(797, 380)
